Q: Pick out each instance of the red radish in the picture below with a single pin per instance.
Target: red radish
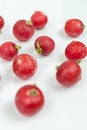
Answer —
(76, 51)
(23, 30)
(1, 22)
(44, 45)
(24, 66)
(74, 27)
(39, 19)
(68, 73)
(29, 100)
(9, 50)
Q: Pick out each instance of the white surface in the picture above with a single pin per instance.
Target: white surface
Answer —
(65, 109)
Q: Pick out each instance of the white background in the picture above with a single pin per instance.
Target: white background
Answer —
(64, 109)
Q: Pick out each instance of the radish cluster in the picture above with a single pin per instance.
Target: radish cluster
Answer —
(29, 99)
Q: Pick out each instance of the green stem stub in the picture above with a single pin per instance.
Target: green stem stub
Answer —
(57, 67)
(29, 22)
(33, 93)
(83, 26)
(0, 31)
(78, 61)
(18, 47)
(38, 48)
